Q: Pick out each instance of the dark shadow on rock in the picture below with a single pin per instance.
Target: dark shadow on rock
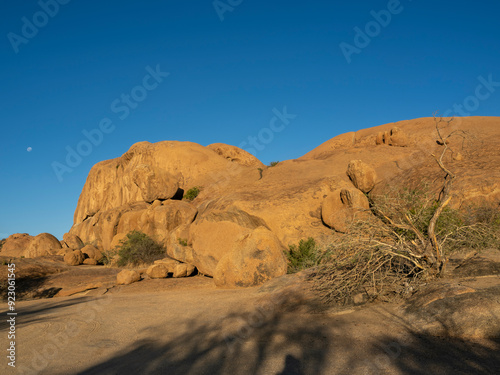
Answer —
(292, 366)
(179, 194)
(477, 266)
(425, 354)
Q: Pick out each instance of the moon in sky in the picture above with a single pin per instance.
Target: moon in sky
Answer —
(29, 149)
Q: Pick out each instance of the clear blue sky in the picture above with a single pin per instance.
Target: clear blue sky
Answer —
(225, 78)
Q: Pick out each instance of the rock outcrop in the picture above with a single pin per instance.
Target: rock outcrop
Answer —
(342, 207)
(236, 154)
(92, 252)
(127, 277)
(74, 258)
(456, 311)
(72, 241)
(362, 175)
(394, 137)
(297, 199)
(254, 259)
(24, 245)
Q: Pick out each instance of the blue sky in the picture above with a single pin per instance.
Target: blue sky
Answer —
(230, 71)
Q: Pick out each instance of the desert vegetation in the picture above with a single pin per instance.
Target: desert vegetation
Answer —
(135, 249)
(305, 255)
(408, 238)
(192, 193)
(384, 255)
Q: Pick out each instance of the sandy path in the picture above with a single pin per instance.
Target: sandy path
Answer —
(193, 328)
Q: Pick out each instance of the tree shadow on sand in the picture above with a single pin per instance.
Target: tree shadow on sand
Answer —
(40, 311)
(295, 338)
(266, 339)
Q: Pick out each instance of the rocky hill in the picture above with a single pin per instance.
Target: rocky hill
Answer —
(246, 213)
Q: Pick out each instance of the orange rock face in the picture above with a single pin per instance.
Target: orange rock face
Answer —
(18, 245)
(296, 199)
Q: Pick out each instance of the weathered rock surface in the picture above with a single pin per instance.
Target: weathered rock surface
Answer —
(157, 271)
(254, 258)
(342, 207)
(107, 228)
(168, 263)
(22, 244)
(127, 277)
(183, 270)
(236, 154)
(154, 183)
(178, 245)
(456, 311)
(16, 244)
(72, 241)
(111, 183)
(74, 258)
(215, 233)
(362, 175)
(92, 252)
(394, 137)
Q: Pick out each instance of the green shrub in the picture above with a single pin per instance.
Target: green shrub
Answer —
(273, 163)
(183, 242)
(192, 193)
(139, 248)
(305, 255)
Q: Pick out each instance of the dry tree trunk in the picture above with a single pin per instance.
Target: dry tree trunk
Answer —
(435, 251)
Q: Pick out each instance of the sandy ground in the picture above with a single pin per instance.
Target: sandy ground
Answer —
(187, 326)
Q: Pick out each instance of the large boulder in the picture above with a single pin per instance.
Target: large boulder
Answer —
(92, 252)
(362, 175)
(183, 270)
(157, 271)
(72, 241)
(342, 207)
(168, 263)
(22, 244)
(74, 258)
(178, 245)
(215, 233)
(16, 244)
(254, 258)
(154, 183)
(147, 172)
(42, 244)
(127, 277)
